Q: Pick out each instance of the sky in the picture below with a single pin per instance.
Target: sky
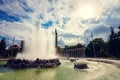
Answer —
(74, 20)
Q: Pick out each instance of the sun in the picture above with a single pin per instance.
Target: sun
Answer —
(87, 12)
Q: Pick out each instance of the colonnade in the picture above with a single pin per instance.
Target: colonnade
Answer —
(78, 52)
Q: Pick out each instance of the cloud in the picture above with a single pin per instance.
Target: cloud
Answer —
(99, 31)
(15, 29)
(66, 16)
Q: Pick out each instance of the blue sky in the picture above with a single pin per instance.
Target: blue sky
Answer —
(73, 19)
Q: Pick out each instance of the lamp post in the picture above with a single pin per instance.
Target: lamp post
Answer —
(93, 45)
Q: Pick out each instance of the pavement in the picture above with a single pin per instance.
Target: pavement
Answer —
(4, 59)
(114, 62)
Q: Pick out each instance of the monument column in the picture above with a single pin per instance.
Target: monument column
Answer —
(56, 43)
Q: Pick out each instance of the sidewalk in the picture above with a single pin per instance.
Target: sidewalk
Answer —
(4, 59)
(114, 62)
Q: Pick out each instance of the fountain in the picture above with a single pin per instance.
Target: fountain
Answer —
(39, 52)
(38, 63)
(41, 45)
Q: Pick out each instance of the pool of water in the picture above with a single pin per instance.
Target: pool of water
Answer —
(96, 71)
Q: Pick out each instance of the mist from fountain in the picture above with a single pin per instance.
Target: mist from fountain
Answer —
(41, 45)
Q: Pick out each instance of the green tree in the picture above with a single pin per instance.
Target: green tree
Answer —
(2, 47)
(101, 48)
(73, 46)
(89, 50)
(114, 42)
(22, 46)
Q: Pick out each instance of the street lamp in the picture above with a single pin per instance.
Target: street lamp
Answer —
(93, 45)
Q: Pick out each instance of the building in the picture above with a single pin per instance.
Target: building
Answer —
(76, 52)
(72, 52)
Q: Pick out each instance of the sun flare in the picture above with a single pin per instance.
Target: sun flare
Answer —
(87, 12)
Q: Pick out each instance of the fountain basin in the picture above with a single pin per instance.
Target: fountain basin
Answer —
(38, 63)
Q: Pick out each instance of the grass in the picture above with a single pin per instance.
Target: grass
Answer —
(2, 63)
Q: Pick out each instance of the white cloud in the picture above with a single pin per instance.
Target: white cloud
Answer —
(15, 29)
(56, 11)
(12, 8)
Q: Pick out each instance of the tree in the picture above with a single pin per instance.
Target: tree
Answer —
(22, 46)
(101, 48)
(119, 32)
(114, 42)
(73, 46)
(2, 47)
(89, 50)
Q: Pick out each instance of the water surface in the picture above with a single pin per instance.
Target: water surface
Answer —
(96, 71)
